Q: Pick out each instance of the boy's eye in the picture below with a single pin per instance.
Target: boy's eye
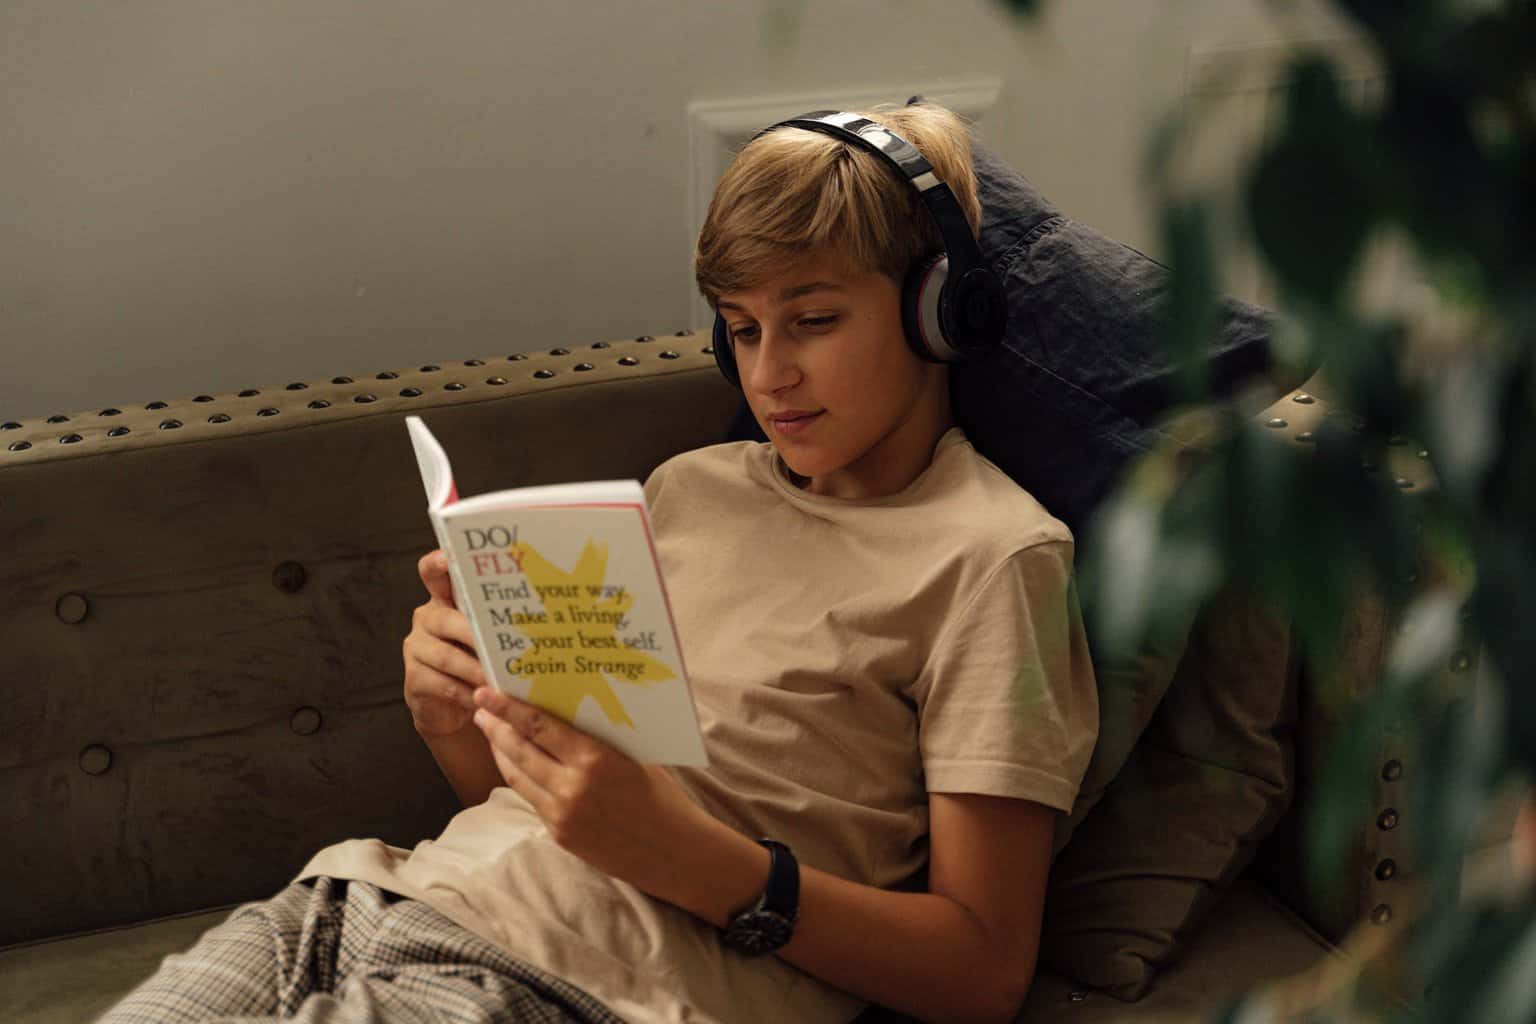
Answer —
(819, 321)
(743, 333)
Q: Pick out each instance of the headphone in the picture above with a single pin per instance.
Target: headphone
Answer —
(952, 304)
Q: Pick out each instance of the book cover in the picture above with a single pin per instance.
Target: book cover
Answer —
(564, 595)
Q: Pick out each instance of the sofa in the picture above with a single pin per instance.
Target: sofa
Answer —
(205, 601)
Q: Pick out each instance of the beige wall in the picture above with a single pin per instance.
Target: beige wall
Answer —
(204, 195)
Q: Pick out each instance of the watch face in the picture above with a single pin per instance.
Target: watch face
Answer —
(759, 931)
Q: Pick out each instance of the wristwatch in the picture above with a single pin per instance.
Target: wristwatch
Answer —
(767, 924)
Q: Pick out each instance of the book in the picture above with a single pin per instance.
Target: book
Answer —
(563, 591)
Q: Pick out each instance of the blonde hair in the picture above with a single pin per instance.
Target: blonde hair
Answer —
(793, 192)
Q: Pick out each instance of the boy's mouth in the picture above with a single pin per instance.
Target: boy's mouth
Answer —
(793, 421)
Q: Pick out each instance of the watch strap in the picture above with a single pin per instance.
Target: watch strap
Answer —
(782, 893)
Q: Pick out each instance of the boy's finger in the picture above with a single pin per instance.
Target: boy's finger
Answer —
(561, 741)
(433, 569)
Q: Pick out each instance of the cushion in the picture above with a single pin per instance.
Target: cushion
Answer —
(1081, 381)
(1208, 780)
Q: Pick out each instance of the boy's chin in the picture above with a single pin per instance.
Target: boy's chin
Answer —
(798, 466)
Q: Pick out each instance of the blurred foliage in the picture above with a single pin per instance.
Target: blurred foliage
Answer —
(1444, 166)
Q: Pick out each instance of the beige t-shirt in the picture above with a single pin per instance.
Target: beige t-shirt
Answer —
(847, 657)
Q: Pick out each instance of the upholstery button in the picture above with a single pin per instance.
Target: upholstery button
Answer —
(1305, 437)
(1392, 770)
(453, 386)
(430, 368)
(628, 361)
(219, 417)
(117, 431)
(646, 337)
(319, 403)
(582, 367)
(155, 405)
(1403, 483)
(364, 399)
(95, 759)
(600, 344)
(58, 419)
(298, 385)
(169, 424)
(1386, 870)
(559, 351)
(289, 577)
(72, 608)
(385, 375)
(305, 721)
(1382, 914)
(70, 439)
(19, 446)
(1423, 453)
(543, 374)
(410, 392)
(496, 380)
(517, 357)
(110, 412)
(1277, 423)
(209, 398)
(1387, 819)
(249, 393)
(1461, 661)
(268, 411)
(708, 350)
(1077, 995)
(10, 425)
(1302, 398)
(474, 362)
(341, 380)
(668, 354)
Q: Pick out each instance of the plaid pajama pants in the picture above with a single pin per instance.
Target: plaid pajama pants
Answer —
(336, 952)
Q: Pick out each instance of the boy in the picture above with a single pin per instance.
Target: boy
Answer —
(885, 649)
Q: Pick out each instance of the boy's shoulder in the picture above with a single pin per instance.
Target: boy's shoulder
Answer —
(970, 491)
(730, 459)
(712, 470)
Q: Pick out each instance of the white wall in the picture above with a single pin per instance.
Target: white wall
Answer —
(203, 196)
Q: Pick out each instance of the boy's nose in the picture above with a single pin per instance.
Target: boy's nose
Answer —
(774, 367)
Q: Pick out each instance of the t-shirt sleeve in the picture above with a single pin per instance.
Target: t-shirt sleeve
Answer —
(1007, 704)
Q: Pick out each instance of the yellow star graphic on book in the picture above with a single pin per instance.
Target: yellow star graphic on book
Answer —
(577, 652)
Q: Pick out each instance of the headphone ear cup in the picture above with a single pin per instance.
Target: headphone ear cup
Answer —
(725, 356)
(920, 316)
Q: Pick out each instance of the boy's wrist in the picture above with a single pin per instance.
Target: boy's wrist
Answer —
(720, 874)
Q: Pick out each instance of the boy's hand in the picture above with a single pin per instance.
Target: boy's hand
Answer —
(616, 814)
(441, 668)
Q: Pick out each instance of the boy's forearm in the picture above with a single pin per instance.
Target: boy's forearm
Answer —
(465, 760)
(920, 953)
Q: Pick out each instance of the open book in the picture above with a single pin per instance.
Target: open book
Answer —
(561, 586)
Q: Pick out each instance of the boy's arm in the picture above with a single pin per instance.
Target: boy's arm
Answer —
(965, 950)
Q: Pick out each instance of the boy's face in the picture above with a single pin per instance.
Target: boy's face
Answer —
(831, 380)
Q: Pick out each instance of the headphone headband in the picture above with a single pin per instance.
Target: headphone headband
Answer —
(905, 159)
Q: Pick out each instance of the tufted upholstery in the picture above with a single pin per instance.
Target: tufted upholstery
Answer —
(204, 603)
